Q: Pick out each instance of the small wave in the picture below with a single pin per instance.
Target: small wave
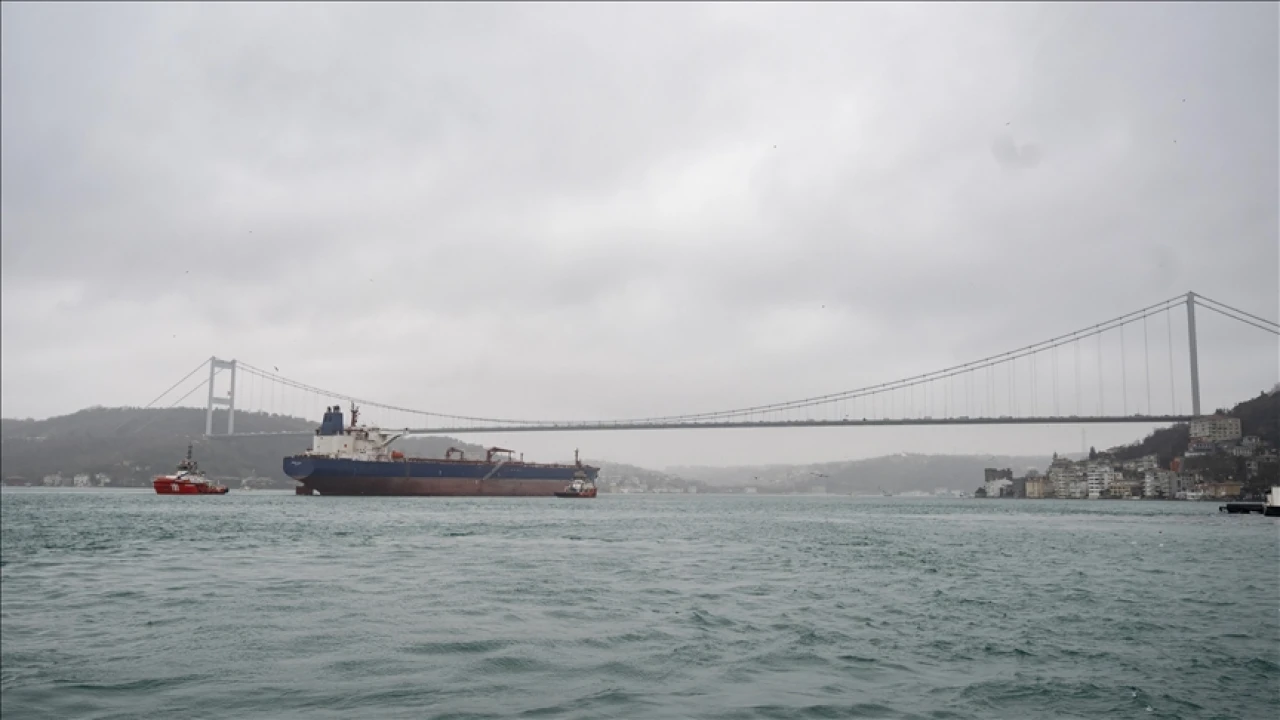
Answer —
(145, 685)
(459, 647)
(1262, 665)
(512, 664)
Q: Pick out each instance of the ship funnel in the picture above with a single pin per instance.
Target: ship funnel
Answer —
(332, 423)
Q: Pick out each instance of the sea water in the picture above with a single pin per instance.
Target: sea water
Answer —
(125, 604)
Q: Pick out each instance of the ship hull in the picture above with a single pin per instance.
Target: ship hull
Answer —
(331, 476)
(165, 486)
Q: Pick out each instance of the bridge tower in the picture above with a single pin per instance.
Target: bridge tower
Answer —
(229, 401)
(1195, 362)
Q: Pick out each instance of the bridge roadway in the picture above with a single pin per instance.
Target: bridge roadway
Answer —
(742, 424)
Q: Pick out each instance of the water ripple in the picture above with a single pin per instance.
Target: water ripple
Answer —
(127, 605)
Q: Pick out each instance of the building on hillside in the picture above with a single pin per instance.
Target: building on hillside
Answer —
(1066, 480)
(1078, 488)
(1199, 448)
(1124, 488)
(1185, 481)
(990, 474)
(1018, 487)
(1142, 464)
(1158, 483)
(1039, 488)
(1099, 477)
(1215, 428)
(1221, 490)
(998, 483)
(999, 487)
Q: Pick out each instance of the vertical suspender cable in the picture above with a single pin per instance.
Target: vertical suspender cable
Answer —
(1076, 364)
(1124, 377)
(1101, 404)
(1173, 395)
(1146, 352)
(1013, 387)
(1054, 362)
(1034, 406)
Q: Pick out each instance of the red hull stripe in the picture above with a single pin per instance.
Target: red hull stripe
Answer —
(172, 487)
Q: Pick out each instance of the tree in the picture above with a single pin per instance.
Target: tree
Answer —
(1093, 454)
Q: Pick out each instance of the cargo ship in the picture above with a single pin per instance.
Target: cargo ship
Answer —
(347, 459)
(188, 480)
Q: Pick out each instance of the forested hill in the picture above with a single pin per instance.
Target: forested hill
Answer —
(133, 444)
(1258, 416)
(889, 473)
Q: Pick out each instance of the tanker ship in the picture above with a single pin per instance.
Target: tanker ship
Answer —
(352, 460)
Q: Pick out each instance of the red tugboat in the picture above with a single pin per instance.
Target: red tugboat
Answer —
(581, 487)
(189, 480)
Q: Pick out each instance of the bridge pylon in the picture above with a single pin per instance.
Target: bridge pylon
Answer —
(1195, 360)
(229, 401)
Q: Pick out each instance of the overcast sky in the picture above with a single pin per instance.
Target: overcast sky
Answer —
(579, 211)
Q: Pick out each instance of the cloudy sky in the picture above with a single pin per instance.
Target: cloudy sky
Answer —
(579, 211)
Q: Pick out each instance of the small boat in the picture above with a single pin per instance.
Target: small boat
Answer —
(581, 487)
(188, 480)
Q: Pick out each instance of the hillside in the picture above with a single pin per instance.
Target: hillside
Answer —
(1258, 416)
(616, 477)
(133, 444)
(892, 473)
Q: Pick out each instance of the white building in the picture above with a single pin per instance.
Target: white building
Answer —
(1158, 483)
(1099, 476)
(1216, 428)
(996, 485)
(1142, 464)
(1067, 481)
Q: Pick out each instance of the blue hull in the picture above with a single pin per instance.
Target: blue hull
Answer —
(331, 476)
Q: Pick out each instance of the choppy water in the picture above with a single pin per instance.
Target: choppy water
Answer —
(119, 604)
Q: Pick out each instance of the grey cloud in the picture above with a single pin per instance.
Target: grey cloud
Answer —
(1011, 155)
(664, 208)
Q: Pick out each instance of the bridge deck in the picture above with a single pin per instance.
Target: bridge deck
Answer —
(745, 424)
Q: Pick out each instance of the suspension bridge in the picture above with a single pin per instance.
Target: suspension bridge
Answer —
(1103, 373)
